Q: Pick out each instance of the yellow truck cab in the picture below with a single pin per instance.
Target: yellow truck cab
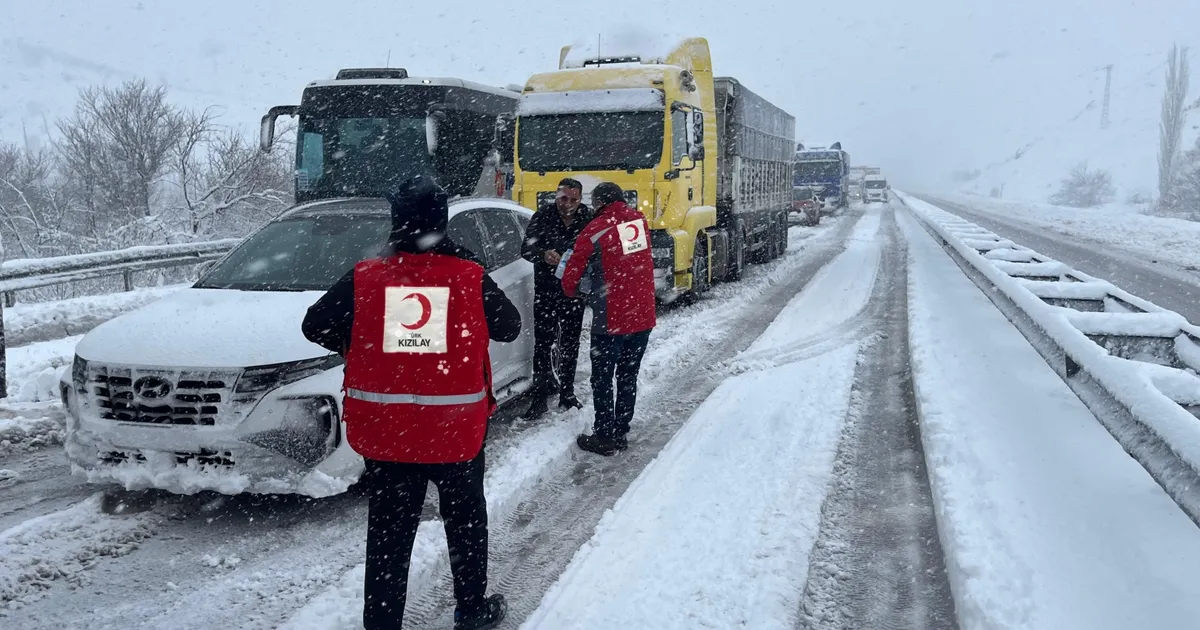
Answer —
(652, 125)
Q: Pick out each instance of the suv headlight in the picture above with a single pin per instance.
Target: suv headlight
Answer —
(308, 429)
(264, 378)
(79, 369)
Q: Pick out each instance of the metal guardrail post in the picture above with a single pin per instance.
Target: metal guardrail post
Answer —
(127, 276)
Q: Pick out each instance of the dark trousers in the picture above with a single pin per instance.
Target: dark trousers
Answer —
(619, 356)
(397, 495)
(552, 309)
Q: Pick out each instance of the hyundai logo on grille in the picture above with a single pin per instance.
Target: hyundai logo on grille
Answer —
(152, 387)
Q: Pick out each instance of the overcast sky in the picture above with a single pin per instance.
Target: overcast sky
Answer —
(920, 87)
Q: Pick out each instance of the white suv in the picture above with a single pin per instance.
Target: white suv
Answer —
(216, 388)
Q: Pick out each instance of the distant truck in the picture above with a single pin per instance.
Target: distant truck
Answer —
(707, 161)
(371, 128)
(875, 188)
(825, 170)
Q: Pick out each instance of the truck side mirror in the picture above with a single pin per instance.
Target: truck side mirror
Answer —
(698, 128)
(433, 122)
(696, 152)
(266, 131)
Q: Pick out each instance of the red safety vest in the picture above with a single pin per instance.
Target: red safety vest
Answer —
(418, 386)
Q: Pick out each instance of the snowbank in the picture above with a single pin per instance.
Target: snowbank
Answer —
(1120, 226)
(1156, 415)
(1046, 522)
(514, 468)
(43, 321)
(715, 533)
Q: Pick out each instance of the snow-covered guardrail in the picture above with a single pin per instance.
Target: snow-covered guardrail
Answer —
(16, 275)
(1134, 364)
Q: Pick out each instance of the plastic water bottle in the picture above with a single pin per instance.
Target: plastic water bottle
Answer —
(562, 264)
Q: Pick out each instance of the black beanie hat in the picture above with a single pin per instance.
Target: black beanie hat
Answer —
(606, 193)
(419, 215)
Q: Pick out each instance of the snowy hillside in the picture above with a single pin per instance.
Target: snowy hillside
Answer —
(1031, 170)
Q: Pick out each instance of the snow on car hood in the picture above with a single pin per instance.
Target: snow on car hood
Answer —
(213, 328)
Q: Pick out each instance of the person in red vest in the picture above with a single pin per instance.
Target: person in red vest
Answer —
(611, 260)
(414, 326)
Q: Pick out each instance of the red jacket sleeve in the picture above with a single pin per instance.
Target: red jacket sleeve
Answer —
(577, 265)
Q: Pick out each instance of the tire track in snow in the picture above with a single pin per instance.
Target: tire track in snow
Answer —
(878, 562)
(532, 548)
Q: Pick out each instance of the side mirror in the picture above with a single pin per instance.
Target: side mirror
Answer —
(696, 152)
(698, 127)
(266, 131)
(433, 121)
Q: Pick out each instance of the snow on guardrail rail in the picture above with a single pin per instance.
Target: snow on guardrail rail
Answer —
(1134, 364)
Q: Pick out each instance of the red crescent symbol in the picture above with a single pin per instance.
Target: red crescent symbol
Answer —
(426, 311)
(636, 232)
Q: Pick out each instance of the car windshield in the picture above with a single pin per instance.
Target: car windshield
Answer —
(817, 171)
(877, 184)
(800, 194)
(301, 254)
(599, 141)
(359, 156)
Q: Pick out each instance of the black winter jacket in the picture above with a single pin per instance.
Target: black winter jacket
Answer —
(328, 323)
(547, 232)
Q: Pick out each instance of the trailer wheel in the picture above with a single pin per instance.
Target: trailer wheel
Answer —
(737, 258)
(773, 239)
(783, 234)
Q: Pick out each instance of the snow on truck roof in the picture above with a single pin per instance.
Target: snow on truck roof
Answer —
(439, 81)
(647, 48)
(591, 101)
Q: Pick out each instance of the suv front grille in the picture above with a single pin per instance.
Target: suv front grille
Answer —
(190, 398)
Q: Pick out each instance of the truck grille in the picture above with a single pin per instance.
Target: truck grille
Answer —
(189, 398)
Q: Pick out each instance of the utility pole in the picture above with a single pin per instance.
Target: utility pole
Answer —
(1107, 93)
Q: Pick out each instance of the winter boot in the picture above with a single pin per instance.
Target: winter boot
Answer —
(494, 611)
(537, 408)
(567, 400)
(601, 445)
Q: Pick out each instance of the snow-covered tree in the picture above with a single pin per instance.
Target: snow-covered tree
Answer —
(1173, 116)
(1084, 188)
(1184, 197)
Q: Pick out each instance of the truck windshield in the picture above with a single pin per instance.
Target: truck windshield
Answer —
(818, 171)
(593, 141)
(359, 156)
(302, 254)
(877, 184)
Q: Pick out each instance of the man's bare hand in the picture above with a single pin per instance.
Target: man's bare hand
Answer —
(552, 257)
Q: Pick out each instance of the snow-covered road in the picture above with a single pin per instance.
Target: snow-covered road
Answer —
(777, 478)
(255, 562)
(1168, 285)
(1046, 521)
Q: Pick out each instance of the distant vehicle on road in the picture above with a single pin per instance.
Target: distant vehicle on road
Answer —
(875, 188)
(826, 171)
(804, 201)
(215, 387)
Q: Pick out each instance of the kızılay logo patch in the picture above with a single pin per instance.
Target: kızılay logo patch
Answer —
(415, 319)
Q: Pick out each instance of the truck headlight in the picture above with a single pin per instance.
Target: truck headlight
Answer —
(307, 431)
